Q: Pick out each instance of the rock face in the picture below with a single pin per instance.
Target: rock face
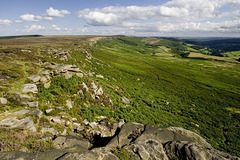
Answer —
(139, 141)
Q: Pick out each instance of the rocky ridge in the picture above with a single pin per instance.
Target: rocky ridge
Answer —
(137, 140)
(75, 137)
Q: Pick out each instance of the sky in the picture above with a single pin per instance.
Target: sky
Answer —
(170, 18)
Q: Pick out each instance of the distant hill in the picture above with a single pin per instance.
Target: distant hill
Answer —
(13, 37)
(224, 44)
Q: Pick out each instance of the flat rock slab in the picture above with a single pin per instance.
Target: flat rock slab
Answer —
(29, 88)
(21, 112)
(35, 78)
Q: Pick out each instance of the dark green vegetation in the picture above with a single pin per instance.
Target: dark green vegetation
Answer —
(191, 93)
(213, 46)
(198, 93)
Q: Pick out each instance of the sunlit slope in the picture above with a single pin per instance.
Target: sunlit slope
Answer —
(196, 93)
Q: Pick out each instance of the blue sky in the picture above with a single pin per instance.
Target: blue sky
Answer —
(188, 18)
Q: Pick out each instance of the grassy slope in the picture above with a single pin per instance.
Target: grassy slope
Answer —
(163, 90)
(199, 91)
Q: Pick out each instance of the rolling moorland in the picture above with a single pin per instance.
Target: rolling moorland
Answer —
(155, 81)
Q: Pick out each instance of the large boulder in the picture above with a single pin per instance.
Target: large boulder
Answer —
(70, 140)
(190, 150)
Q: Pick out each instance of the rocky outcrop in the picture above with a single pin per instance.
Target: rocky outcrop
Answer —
(138, 140)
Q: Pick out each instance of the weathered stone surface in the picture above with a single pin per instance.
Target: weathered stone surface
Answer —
(147, 149)
(99, 76)
(99, 92)
(70, 140)
(77, 126)
(43, 80)
(84, 88)
(49, 110)
(37, 112)
(9, 121)
(47, 85)
(166, 134)
(125, 100)
(45, 72)
(189, 150)
(79, 75)
(49, 130)
(25, 123)
(21, 112)
(3, 101)
(123, 137)
(29, 88)
(35, 78)
(67, 75)
(56, 120)
(69, 104)
(32, 104)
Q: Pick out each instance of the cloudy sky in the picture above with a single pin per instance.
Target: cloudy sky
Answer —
(188, 18)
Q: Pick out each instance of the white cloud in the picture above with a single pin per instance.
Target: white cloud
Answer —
(175, 10)
(55, 27)
(56, 13)
(34, 28)
(6, 22)
(18, 21)
(44, 18)
(29, 17)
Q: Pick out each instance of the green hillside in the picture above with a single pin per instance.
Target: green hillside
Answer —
(201, 94)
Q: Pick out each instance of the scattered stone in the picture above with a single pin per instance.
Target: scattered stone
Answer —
(80, 75)
(9, 121)
(94, 86)
(62, 142)
(94, 125)
(3, 101)
(69, 104)
(25, 123)
(21, 112)
(85, 122)
(84, 88)
(45, 72)
(29, 88)
(32, 104)
(56, 120)
(24, 97)
(47, 85)
(99, 76)
(49, 130)
(37, 112)
(99, 92)
(67, 75)
(125, 100)
(35, 78)
(74, 119)
(49, 110)
(43, 80)
(77, 126)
